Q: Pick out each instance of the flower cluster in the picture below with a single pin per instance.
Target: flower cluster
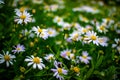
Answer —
(59, 39)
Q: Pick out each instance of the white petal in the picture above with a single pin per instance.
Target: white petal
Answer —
(2, 61)
(30, 63)
(39, 66)
(7, 64)
(34, 66)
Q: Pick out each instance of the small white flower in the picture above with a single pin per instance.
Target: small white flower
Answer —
(35, 61)
(19, 48)
(51, 32)
(102, 28)
(83, 19)
(66, 26)
(76, 25)
(85, 58)
(86, 9)
(37, 1)
(54, 7)
(40, 32)
(27, 33)
(58, 72)
(103, 41)
(75, 36)
(23, 17)
(58, 20)
(6, 57)
(49, 57)
(91, 36)
(67, 54)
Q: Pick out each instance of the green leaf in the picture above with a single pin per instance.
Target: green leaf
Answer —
(99, 61)
(88, 74)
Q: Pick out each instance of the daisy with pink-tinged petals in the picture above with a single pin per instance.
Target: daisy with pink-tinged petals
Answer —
(19, 48)
(85, 58)
(58, 72)
(67, 54)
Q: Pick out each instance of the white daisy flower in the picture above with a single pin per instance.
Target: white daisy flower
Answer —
(44, 34)
(75, 36)
(66, 26)
(6, 57)
(117, 44)
(103, 41)
(83, 19)
(102, 28)
(37, 1)
(85, 58)
(58, 20)
(29, 33)
(19, 48)
(76, 25)
(86, 9)
(40, 32)
(58, 72)
(35, 61)
(51, 32)
(49, 57)
(67, 54)
(91, 36)
(54, 7)
(23, 17)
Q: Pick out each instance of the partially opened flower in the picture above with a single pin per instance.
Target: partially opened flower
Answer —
(85, 58)
(7, 58)
(19, 48)
(35, 61)
(49, 57)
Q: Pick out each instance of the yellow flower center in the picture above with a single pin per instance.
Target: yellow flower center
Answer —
(76, 69)
(76, 35)
(39, 30)
(84, 57)
(68, 53)
(84, 30)
(50, 58)
(59, 19)
(93, 37)
(17, 49)
(59, 70)
(22, 9)
(36, 60)
(108, 19)
(23, 16)
(50, 32)
(101, 40)
(7, 57)
(85, 19)
(102, 27)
